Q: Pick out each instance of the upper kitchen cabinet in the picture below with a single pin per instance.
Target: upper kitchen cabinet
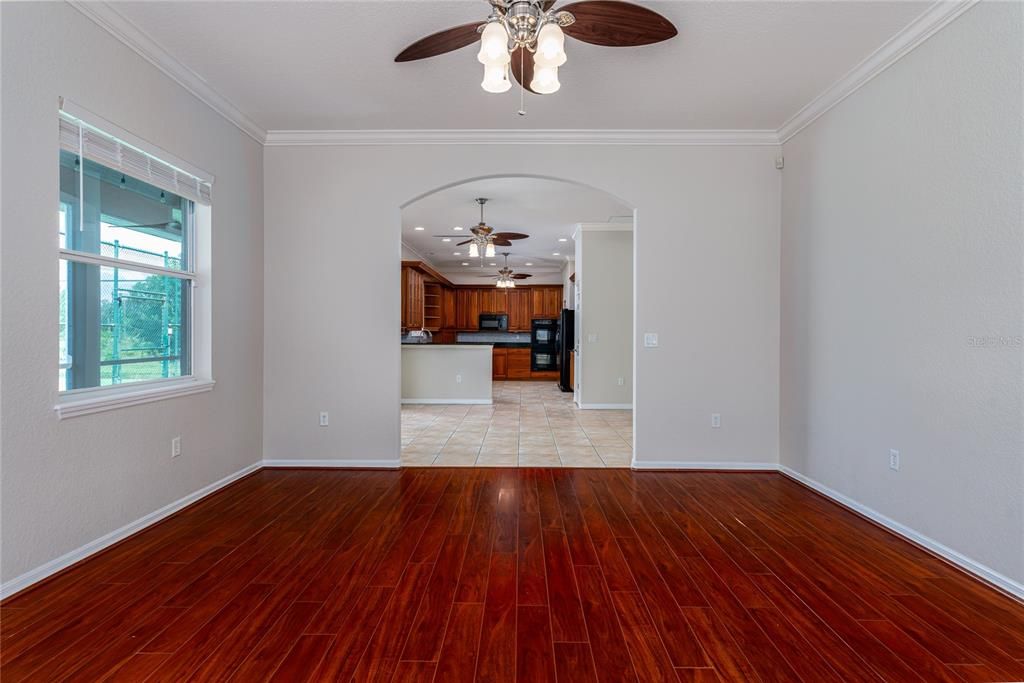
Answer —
(520, 309)
(467, 309)
(493, 300)
(412, 298)
(448, 319)
(546, 302)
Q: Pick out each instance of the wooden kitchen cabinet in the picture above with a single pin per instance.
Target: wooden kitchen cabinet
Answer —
(499, 363)
(467, 309)
(520, 310)
(412, 299)
(518, 363)
(546, 302)
(448, 320)
(493, 300)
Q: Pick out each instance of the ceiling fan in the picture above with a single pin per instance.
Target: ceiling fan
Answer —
(506, 276)
(516, 27)
(484, 238)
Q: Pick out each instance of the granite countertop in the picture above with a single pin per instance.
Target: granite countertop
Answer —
(443, 346)
(500, 345)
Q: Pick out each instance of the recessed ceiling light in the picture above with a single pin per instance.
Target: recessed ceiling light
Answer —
(419, 227)
(528, 263)
(446, 239)
(563, 239)
(457, 227)
(456, 253)
(464, 263)
(555, 253)
(492, 264)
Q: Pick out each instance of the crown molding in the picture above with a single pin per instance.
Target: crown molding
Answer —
(293, 138)
(107, 17)
(914, 34)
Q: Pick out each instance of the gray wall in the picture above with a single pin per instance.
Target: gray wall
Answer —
(67, 483)
(902, 240)
(605, 277)
(333, 227)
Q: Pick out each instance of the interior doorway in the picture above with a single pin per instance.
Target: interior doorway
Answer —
(500, 321)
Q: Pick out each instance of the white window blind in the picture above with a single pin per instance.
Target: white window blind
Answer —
(78, 137)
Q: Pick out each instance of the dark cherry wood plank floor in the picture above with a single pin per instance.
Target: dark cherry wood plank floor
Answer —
(598, 576)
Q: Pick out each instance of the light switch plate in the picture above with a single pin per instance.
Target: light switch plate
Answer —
(650, 339)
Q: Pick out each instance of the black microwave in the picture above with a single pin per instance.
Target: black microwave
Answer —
(494, 322)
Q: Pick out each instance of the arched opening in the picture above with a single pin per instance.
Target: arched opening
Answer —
(513, 353)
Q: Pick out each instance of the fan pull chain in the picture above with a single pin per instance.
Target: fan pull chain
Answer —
(522, 87)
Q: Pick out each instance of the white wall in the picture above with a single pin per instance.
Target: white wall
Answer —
(439, 373)
(902, 240)
(709, 216)
(568, 286)
(605, 275)
(66, 483)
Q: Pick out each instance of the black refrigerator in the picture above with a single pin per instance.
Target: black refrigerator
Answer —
(566, 342)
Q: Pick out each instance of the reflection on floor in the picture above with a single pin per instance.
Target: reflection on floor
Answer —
(531, 424)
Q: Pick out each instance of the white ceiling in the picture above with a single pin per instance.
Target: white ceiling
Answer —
(329, 65)
(547, 210)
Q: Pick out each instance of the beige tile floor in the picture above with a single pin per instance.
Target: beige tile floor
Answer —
(530, 424)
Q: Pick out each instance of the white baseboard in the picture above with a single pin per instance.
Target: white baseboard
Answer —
(960, 560)
(605, 406)
(392, 464)
(66, 560)
(712, 465)
(449, 401)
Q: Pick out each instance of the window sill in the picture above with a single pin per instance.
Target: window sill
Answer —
(123, 397)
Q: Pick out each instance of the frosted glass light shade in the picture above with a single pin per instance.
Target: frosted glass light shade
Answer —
(550, 46)
(545, 80)
(474, 251)
(489, 253)
(495, 78)
(494, 45)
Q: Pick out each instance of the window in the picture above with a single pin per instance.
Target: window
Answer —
(126, 236)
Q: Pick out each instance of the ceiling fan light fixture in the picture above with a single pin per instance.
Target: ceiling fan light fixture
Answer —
(494, 45)
(489, 251)
(496, 78)
(545, 80)
(550, 46)
(474, 251)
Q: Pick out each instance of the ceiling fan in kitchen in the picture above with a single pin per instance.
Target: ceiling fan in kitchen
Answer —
(517, 27)
(484, 238)
(506, 277)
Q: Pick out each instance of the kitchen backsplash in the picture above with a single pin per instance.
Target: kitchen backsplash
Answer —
(494, 337)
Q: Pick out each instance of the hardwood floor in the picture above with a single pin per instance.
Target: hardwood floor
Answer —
(512, 575)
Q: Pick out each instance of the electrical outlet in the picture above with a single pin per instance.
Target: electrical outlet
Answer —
(716, 420)
(458, 379)
(591, 338)
(650, 339)
(323, 419)
(621, 381)
(894, 460)
(176, 447)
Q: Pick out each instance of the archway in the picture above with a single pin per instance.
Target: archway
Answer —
(529, 412)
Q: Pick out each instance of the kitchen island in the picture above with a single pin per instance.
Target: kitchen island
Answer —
(446, 373)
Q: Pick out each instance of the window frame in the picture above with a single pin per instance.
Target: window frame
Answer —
(88, 400)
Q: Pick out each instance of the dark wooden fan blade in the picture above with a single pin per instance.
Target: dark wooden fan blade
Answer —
(441, 42)
(501, 243)
(548, 4)
(522, 67)
(459, 244)
(612, 23)
(509, 236)
(520, 276)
